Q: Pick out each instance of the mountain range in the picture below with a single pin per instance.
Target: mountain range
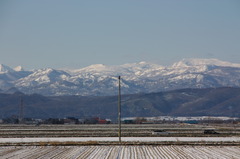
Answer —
(102, 80)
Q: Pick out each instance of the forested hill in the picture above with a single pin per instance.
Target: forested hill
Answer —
(183, 102)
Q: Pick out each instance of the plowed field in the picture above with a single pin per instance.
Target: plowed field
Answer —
(120, 152)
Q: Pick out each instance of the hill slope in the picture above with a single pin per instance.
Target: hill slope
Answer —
(184, 102)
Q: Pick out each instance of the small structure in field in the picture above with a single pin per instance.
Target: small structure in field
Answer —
(160, 132)
(210, 131)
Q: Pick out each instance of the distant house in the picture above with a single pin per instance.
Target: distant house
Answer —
(191, 121)
(70, 120)
(97, 120)
(129, 121)
(81, 121)
(54, 121)
(104, 121)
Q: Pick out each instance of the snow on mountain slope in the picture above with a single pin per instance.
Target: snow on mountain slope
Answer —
(18, 68)
(101, 79)
(45, 81)
(8, 76)
(5, 69)
(126, 69)
(204, 62)
(43, 76)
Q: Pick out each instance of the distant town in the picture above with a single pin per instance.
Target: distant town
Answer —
(125, 120)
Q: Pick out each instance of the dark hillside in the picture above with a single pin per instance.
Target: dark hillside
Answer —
(184, 102)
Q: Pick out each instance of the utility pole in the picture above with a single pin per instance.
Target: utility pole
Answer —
(119, 108)
(21, 111)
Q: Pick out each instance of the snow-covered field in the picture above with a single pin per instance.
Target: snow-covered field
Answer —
(120, 152)
(130, 139)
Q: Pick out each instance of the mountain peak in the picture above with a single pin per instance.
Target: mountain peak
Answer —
(97, 66)
(142, 63)
(19, 68)
(202, 62)
(92, 68)
(4, 69)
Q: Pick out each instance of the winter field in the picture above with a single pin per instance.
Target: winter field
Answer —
(124, 140)
(101, 141)
(111, 130)
(120, 152)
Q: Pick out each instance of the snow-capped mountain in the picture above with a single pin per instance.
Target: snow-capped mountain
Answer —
(204, 62)
(5, 69)
(139, 77)
(18, 68)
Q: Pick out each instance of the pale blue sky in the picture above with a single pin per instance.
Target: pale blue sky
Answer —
(78, 33)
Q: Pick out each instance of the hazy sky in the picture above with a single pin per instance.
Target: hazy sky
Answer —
(78, 33)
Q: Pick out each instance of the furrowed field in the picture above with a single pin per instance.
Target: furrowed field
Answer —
(124, 152)
(111, 130)
(101, 141)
